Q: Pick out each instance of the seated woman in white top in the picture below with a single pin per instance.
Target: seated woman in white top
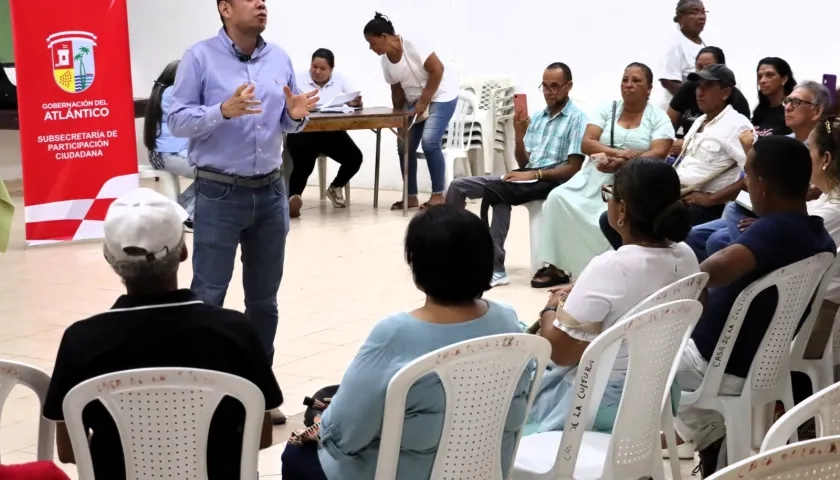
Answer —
(167, 152)
(644, 207)
(450, 253)
(420, 83)
(678, 62)
(306, 147)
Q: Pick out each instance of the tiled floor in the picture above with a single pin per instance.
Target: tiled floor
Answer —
(344, 271)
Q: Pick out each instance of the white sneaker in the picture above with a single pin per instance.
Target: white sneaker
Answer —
(499, 278)
(336, 196)
(685, 451)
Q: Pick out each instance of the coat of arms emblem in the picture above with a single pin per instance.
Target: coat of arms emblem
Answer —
(72, 59)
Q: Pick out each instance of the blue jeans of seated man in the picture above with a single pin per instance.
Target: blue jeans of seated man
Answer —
(708, 238)
(429, 135)
(227, 216)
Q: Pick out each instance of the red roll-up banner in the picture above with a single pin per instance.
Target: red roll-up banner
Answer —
(76, 112)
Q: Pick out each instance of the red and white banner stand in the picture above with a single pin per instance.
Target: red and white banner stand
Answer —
(76, 111)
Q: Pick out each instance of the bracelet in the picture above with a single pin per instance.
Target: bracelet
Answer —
(539, 174)
(547, 309)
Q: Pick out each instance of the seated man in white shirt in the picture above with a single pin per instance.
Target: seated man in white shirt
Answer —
(713, 157)
(548, 147)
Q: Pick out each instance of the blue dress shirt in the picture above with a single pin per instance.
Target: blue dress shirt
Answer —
(208, 75)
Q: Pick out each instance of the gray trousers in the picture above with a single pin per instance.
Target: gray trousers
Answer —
(473, 187)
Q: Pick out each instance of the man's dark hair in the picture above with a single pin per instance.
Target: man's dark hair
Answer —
(785, 164)
(326, 54)
(450, 253)
(567, 72)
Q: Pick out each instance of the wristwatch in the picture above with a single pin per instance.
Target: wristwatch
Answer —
(547, 309)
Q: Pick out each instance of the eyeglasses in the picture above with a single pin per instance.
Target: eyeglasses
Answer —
(606, 192)
(796, 102)
(554, 87)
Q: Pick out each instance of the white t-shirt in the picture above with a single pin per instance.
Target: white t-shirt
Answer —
(616, 281)
(410, 73)
(678, 62)
(828, 208)
(714, 149)
(335, 86)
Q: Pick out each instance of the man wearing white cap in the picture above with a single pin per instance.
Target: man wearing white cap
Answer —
(157, 325)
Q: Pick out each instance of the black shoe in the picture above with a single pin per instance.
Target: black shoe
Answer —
(189, 225)
(710, 458)
(549, 277)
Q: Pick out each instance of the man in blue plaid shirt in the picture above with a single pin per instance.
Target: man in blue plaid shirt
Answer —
(547, 148)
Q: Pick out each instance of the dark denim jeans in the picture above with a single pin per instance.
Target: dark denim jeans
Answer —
(707, 238)
(227, 216)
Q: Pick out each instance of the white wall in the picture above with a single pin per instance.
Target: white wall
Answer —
(596, 39)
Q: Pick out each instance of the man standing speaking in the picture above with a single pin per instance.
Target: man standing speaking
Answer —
(234, 97)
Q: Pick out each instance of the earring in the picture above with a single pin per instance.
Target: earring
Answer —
(825, 167)
(620, 222)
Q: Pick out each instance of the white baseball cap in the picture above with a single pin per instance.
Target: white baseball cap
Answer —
(143, 225)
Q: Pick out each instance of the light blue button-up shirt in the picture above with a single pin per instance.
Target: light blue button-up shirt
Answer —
(209, 74)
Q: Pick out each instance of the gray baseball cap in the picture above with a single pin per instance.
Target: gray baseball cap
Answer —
(716, 72)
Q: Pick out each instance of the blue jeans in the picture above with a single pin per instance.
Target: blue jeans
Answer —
(429, 135)
(257, 219)
(708, 238)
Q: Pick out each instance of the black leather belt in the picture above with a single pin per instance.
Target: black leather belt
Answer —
(257, 181)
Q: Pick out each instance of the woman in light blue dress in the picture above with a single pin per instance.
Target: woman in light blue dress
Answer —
(625, 129)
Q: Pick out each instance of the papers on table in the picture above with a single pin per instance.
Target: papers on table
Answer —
(744, 200)
(339, 103)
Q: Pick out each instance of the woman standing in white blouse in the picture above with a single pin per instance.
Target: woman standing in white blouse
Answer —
(420, 83)
(306, 147)
(683, 50)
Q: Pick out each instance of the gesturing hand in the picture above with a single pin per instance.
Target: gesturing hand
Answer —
(241, 103)
(298, 106)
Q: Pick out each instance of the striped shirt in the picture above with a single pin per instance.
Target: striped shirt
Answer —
(551, 140)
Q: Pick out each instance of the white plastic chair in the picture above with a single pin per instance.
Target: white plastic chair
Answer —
(535, 211)
(824, 405)
(495, 110)
(769, 375)
(479, 378)
(15, 373)
(817, 459)
(171, 182)
(163, 418)
(820, 371)
(654, 339)
(457, 140)
(322, 180)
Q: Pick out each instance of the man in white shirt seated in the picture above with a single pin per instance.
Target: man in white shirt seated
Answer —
(713, 157)
(804, 108)
(548, 150)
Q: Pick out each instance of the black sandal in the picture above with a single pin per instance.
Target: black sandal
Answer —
(399, 206)
(547, 277)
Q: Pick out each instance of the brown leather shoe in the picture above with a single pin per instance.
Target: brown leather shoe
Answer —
(277, 417)
(295, 204)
